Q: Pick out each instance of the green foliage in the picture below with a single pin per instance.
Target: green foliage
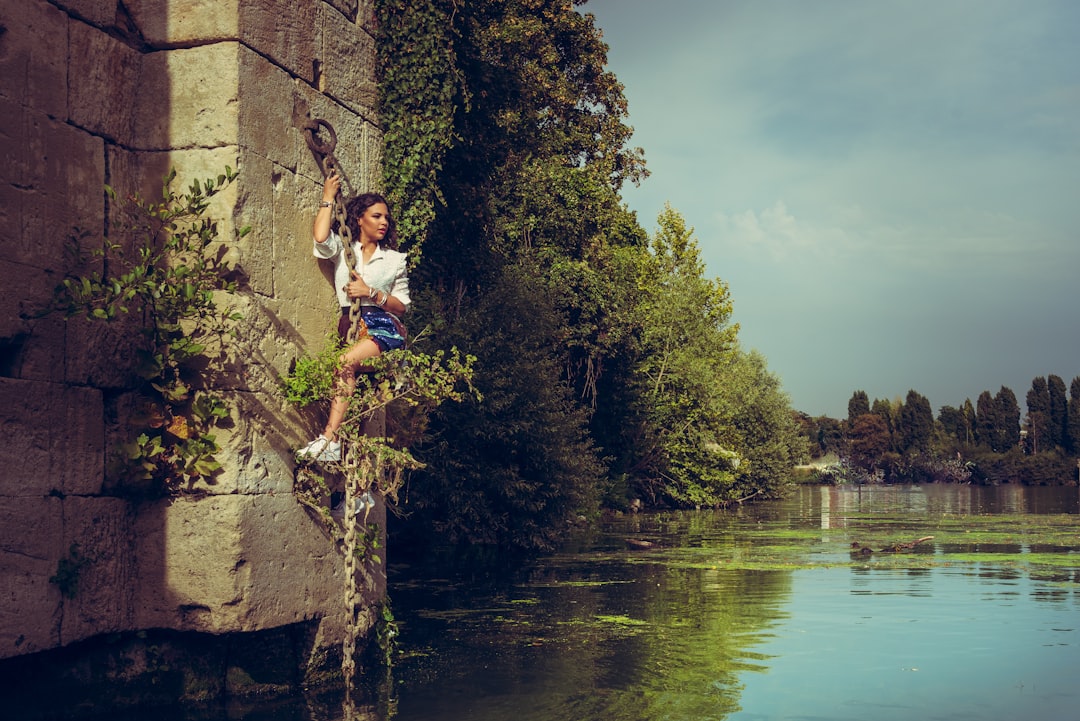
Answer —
(407, 378)
(858, 405)
(868, 440)
(507, 137)
(1038, 415)
(515, 467)
(419, 86)
(68, 572)
(973, 443)
(311, 379)
(916, 423)
(1057, 412)
(1072, 424)
(688, 450)
(956, 424)
(162, 268)
(386, 633)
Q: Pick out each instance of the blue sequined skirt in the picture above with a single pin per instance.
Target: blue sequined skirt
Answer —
(383, 328)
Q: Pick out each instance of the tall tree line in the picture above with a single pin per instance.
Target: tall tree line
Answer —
(989, 440)
(609, 367)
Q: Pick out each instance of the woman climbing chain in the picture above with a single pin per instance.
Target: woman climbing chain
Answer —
(379, 282)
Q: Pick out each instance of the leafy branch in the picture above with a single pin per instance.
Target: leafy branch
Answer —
(165, 274)
(418, 381)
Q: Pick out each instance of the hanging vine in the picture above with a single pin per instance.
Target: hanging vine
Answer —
(419, 85)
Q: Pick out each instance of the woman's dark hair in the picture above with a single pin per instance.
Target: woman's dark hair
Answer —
(358, 205)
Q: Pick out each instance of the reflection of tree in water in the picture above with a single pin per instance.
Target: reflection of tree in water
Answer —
(606, 634)
(702, 627)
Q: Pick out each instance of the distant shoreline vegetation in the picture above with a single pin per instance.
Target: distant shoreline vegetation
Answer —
(988, 442)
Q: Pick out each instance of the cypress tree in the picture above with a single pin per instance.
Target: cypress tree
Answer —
(1008, 429)
(1073, 416)
(916, 423)
(987, 420)
(1057, 412)
(969, 416)
(859, 405)
(1038, 405)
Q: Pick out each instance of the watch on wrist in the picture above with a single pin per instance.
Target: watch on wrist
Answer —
(325, 204)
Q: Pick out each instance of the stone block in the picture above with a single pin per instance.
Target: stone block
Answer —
(187, 98)
(259, 185)
(31, 344)
(232, 563)
(296, 570)
(256, 446)
(31, 544)
(265, 110)
(185, 22)
(103, 354)
(303, 283)
(34, 57)
(100, 13)
(360, 12)
(189, 571)
(106, 95)
(100, 531)
(55, 439)
(347, 56)
(51, 176)
(143, 172)
(283, 32)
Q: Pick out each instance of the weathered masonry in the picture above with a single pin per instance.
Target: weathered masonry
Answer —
(117, 92)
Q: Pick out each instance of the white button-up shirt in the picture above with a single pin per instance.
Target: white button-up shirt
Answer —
(385, 270)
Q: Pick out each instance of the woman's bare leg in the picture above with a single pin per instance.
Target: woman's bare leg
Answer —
(352, 362)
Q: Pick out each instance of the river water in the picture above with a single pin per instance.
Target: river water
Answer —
(762, 613)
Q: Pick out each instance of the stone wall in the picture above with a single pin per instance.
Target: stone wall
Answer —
(96, 92)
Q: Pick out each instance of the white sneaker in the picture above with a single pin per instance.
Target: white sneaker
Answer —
(320, 449)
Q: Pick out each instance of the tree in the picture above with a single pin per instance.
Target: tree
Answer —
(1038, 415)
(502, 123)
(1073, 423)
(869, 441)
(997, 420)
(955, 423)
(1057, 412)
(512, 468)
(969, 417)
(987, 421)
(890, 415)
(858, 405)
(685, 407)
(830, 435)
(1008, 430)
(916, 423)
(769, 439)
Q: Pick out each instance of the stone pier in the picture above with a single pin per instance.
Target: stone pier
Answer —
(117, 92)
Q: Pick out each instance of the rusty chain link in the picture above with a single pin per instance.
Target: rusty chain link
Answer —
(324, 156)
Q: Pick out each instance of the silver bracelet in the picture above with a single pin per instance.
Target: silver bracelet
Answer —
(325, 204)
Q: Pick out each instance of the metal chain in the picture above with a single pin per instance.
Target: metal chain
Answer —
(352, 596)
(324, 156)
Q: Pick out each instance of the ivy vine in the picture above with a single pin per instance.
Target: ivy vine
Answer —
(419, 84)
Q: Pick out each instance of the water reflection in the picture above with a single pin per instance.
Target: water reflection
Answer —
(710, 624)
(757, 613)
(608, 633)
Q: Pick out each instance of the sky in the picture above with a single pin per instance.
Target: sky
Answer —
(891, 189)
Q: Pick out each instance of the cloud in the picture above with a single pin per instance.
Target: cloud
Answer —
(888, 190)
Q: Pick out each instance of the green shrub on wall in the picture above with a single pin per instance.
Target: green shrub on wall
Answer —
(162, 267)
